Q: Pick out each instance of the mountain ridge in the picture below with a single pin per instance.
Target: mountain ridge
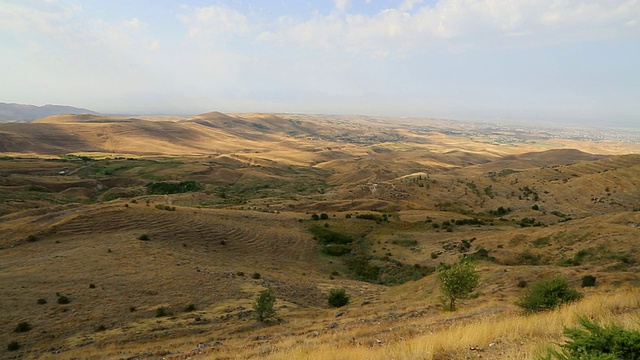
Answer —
(13, 112)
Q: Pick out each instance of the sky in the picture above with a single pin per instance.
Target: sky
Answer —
(558, 61)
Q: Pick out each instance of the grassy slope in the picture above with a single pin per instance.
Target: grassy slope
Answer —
(261, 176)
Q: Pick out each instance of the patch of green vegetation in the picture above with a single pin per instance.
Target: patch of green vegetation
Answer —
(500, 211)
(336, 249)
(541, 242)
(529, 222)
(501, 173)
(405, 242)
(579, 258)
(529, 193)
(481, 254)
(165, 188)
(70, 157)
(377, 218)
(38, 188)
(326, 236)
(528, 258)
(595, 341)
(165, 207)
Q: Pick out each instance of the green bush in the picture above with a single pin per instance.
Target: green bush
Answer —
(338, 298)
(41, 301)
(161, 311)
(598, 342)
(22, 327)
(588, 281)
(62, 299)
(143, 237)
(189, 308)
(13, 346)
(263, 307)
(255, 276)
(548, 294)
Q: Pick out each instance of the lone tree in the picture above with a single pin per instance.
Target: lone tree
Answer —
(457, 281)
(263, 306)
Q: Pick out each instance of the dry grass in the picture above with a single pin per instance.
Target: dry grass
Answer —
(513, 336)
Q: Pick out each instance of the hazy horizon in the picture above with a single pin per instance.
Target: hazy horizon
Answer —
(563, 62)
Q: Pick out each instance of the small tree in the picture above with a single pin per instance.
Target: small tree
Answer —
(263, 306)
(457, 281)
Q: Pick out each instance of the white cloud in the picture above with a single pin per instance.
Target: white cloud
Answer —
(407, 5)
(214, 22)
(341, 4)
(34, 16)
(460, 24)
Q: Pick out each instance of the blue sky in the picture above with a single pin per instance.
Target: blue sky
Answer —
(524, 60)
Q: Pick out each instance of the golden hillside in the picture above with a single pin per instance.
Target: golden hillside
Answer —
(197, 215)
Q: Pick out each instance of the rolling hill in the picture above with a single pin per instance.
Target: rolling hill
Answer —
(160, 233)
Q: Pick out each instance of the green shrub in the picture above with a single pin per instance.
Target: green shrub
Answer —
(62, 299)
(255, 276)
(100, 328)
(324, 216)
(23, 327)
(598, 342)
(161, 311)
(263, 306)
(588, 281)
(143, 237)
(189, 308)
(548, 294)
(41, 301)
(13, 346)
(338, 298)
(32, 238)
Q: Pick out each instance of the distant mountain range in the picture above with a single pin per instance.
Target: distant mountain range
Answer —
(26, 113)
